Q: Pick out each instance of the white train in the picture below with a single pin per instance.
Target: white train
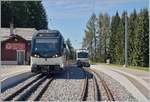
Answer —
(82, 58)
(47, 51)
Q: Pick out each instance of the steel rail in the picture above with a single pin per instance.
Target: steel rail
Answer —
(84, 88)
(105, 86)
(96, 90)
(38, 97)
(28, 92)
(14, 94)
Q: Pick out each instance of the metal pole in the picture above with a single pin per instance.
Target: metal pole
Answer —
(0, 38)
(126, 41)
(92, 50)
(94, 40)
(94, 35)
(0, 13)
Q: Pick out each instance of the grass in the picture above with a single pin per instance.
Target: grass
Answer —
(138, 68)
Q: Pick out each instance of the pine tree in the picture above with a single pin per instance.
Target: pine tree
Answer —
(89, 33)
(24, 14)
(131, 37)
(104, 36)
(114, 26)
(141, 39)
(145, 41)
(119, 48)
(70, 48)
(6, 13)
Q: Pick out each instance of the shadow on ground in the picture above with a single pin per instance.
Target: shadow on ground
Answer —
(72, 72)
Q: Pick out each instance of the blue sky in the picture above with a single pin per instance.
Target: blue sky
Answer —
(70, 16)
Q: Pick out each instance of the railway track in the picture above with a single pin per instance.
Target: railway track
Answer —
(34, 89)
(105, 86)
(38, 85)
(84, 92)
(85, 87)
(96, 90)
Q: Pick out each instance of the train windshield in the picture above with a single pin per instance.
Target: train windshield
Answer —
(82, 55)
(42, 44)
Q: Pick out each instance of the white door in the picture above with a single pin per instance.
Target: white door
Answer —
(21, 57)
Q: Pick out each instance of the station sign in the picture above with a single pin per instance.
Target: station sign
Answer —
(15, 46)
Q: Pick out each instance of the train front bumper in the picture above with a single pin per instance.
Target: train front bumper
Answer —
(48, 61)
(83, 63)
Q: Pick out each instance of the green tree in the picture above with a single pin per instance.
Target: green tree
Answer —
(104, 36)
(114, 26)
(132, 27)
(71, 49)
(138, 37)
(119, 48)
(6, 13)
(141, 52)
(24, 14)
(88, 40)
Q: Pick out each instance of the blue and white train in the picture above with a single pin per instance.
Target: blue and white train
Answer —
(82, 58)
(47, 51)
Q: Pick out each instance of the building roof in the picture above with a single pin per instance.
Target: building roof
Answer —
(26, 33)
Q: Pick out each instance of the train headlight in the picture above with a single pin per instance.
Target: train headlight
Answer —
(36, 56)
(55, 56)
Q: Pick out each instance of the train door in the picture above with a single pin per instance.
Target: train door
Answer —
(21, 57)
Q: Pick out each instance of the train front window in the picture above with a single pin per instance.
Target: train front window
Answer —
(82, 55)
(45, 44)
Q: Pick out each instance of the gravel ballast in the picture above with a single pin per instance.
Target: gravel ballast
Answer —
(67, 86)
(118, 91)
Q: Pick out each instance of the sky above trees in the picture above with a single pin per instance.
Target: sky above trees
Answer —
(71, 16)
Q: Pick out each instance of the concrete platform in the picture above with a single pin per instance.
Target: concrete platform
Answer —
(12, 74)
(7, 71)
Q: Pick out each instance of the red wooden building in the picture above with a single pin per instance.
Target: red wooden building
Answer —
(15, 48)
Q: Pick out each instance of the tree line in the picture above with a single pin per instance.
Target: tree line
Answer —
(70, 50)
(110, 37)
(26, 14)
